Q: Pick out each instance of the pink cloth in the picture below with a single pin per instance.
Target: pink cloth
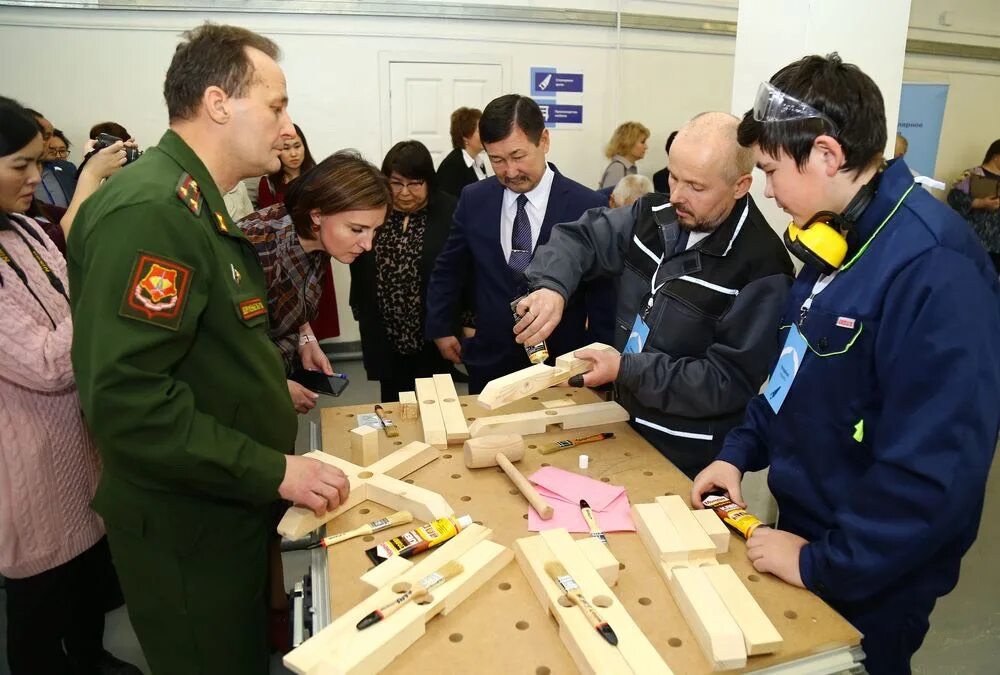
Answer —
(48, 465)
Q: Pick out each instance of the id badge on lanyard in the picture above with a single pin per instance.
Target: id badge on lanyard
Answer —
(640, 329)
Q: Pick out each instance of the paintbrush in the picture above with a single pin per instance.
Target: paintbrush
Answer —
(390, 429)
(549, 448)
(398, 518)
(419, 590)
(588, 515)
(557, 571)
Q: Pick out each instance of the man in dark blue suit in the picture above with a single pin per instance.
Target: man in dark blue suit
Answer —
(498, 224)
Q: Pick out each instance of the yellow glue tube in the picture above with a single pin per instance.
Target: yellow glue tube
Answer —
(732, 514)
(419, 540)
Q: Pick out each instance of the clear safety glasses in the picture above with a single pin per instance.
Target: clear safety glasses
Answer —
(774, 105)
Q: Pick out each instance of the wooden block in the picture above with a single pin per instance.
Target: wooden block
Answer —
(341, 648)
(383, 573)
(558, 403)
(659, 536)
(706, 614)
(298, 522)
(590, 651)
(714, 528)
(537, 422)
(421, 502)
(430, 414)
(699, 545)
(456, 428)
(527, 381)
(409, 410)
(364, 445)
(601, 559)
(759, 634)
(406, 460)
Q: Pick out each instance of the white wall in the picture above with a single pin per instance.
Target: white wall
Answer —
(82, 66)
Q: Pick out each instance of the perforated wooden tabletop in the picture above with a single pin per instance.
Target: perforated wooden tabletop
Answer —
(502, 628)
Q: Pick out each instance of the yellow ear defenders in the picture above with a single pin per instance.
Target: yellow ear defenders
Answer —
(822, 242)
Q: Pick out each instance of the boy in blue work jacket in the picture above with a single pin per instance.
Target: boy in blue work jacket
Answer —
(880, 418)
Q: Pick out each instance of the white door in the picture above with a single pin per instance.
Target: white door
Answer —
(423, 95)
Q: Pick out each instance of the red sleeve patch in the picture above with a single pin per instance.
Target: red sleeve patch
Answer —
(157, 291)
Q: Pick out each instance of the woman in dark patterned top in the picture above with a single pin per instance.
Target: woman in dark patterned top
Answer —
(982, 212)
(389, 284)
(332, 210)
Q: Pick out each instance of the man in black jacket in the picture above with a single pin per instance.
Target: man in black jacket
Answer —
(703, 280)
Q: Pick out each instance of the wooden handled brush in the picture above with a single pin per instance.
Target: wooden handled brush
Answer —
(398, 518)
(418, 590)
(549, 448)
(557, 571)
(390, 429)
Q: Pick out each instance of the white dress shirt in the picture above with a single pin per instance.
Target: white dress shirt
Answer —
(475, 163)
(538, 202)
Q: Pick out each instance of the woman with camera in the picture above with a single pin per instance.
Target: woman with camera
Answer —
(53, 552)
(331, 210)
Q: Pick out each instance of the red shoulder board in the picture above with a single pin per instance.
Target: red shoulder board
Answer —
(189, 193)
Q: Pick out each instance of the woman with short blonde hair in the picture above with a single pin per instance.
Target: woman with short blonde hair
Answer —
(626, 147)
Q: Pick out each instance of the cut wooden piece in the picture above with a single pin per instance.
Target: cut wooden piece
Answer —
(714, 528)
(558, 403)
(421, 502)
(699, 545)
(590, 651)
(759, 634)
(527, 381)
(706, 614)
(408, 408)
(383, 573)
(298, 522)
(341, 648)
(455, 426)
(430, 413)
(601, 558)
(537, 421)
(408, 459)
(364, 445)
(659, 535)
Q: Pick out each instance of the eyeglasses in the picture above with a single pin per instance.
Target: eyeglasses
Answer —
(60, 152)
(399, 186)
(774, 105)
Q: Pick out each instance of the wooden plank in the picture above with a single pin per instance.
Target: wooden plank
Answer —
(421, 502)
(706, 614)
(408, 459)
(537, 421)
(527, 381)
(714, 528)
(409, 410)
(558, 403)
(383, 573)
(364, 445)
(601, 558)
(430, 413)
(633, 647)
(299, 522)
(341, 648)
(699, 545)
(759, 634)
(659, 536)
(456, 428)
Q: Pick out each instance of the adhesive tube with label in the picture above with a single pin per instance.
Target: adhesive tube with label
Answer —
(416, 541)
(732, 514)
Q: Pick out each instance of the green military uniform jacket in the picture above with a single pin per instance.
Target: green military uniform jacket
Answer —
(181, 385)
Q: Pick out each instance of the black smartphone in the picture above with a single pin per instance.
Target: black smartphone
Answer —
(313, 380)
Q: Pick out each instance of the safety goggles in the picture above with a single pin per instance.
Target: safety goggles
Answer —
(774, 105)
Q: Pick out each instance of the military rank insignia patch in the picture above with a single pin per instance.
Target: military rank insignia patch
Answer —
(252, 308)
(189, 193)
(220, 223)
(157, 291)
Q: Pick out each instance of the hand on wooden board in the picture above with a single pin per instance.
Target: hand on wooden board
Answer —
(313, 484)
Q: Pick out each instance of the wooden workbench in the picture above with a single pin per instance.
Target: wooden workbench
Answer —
(502, 628)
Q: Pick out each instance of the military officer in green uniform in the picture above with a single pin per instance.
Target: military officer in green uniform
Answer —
(180, 384)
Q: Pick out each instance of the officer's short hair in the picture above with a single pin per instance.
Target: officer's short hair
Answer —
(501, 114)
(211, 55)
(344, 181)
(839, 90)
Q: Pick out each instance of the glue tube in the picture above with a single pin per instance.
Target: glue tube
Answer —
(416, 541)
(732, 514)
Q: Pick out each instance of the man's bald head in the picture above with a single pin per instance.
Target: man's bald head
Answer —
(709, 170)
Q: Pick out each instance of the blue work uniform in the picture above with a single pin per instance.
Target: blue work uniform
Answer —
(880, 450)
